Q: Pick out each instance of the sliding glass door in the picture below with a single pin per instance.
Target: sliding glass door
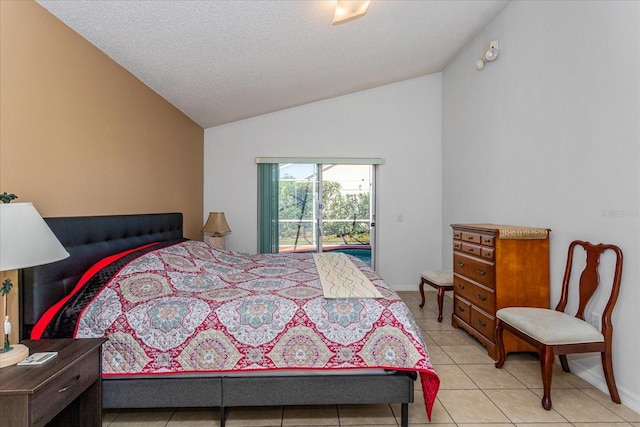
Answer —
(347, 215)
(298, 207)
(325, 207)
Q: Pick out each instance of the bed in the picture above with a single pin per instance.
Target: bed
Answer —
(91, 239)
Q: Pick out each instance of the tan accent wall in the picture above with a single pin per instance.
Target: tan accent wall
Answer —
(80, 135)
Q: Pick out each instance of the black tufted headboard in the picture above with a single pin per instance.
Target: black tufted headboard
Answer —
(88, 240)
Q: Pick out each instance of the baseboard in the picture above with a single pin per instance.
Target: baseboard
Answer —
(593, 375)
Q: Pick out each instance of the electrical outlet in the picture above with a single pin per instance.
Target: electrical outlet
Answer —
(595, 321)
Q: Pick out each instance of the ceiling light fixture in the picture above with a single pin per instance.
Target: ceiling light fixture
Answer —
(489, 53)
(348, 10)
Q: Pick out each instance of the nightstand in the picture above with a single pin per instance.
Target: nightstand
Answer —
(66, 391)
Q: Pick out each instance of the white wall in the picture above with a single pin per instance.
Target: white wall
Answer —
(400, 123)
(548, 135)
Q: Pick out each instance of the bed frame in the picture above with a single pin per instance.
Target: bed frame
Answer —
(89, 239)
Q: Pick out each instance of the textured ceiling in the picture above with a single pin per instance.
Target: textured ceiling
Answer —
(222, 61)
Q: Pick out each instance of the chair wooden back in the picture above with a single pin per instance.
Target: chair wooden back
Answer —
(590, 279)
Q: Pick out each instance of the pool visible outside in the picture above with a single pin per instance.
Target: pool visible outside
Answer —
(363, 254)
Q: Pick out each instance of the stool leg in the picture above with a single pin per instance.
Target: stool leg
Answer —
(440, 302)
(421, 288)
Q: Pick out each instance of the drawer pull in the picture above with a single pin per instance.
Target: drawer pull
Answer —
(460, 264)
(460, 286)
(461, 309)
(481, 272)
(65, 388)
(481, 323)
(482, 297)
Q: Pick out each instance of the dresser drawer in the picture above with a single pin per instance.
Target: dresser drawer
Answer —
(462, 309)
(487, 240)
(457, 245)
(470, 237)
(475, 269)
(462, 287)
(471, 249)
(488, 253)
(476, 294)
(63, 389)
(457, 234)
(483, 323)
(483, 298)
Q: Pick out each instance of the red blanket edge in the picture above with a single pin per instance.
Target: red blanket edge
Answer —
(44, 321)
(430, 385)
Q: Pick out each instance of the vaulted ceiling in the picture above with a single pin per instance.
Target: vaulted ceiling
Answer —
(222, 61)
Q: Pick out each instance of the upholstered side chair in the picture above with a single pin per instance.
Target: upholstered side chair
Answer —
(554, 332)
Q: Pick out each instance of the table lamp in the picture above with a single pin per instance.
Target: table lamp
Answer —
(217, 226)
(25, 241)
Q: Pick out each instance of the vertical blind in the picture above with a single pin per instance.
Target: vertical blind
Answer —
(268, 230)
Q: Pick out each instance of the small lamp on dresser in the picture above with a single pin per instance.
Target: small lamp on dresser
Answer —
(216, 226)
(25, 241)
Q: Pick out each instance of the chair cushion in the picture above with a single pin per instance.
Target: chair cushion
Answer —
(439, 277)
(549, 326)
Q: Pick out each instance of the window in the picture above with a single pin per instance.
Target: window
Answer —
(317, 205)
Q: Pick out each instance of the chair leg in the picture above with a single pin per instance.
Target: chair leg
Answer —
(564, 363)
(546, 369)
(607, 367)
(440, 302)
(421, 288)
(499, 344)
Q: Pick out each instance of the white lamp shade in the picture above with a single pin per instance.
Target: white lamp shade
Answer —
(25, 239)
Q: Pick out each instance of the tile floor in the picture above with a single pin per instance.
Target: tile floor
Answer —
(472, 393)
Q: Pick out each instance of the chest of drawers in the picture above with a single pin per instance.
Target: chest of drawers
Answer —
(497, 266)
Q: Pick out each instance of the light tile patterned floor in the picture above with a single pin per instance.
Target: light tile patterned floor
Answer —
(472, 393)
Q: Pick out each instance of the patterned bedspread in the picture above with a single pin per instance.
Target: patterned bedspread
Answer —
(190, 307)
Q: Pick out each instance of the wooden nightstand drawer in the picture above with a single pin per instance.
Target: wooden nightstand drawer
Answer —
(64, 388)
(65, 391)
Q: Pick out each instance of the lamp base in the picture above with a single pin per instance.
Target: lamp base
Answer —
(216, 241)
(17, 354)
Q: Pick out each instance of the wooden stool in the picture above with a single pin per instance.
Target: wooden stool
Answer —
(440, 280)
